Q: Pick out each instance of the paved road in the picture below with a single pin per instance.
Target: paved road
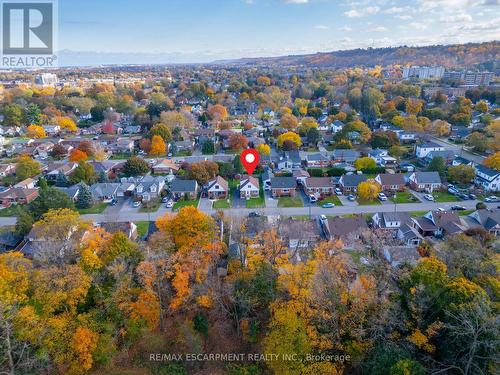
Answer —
(275, 211)
(459, 150)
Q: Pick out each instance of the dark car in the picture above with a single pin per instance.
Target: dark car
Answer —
(458, 208)
(473, 196)
(253, 214)
(464, 197)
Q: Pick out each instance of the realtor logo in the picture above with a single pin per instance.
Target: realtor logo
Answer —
(28, 33)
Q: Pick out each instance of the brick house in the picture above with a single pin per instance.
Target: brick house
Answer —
(319, 186)
(218, 188)
(17, 195)
(283, 186)
(391, 182)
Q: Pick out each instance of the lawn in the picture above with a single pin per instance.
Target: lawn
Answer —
(222, 203)
(290, 202)
(465, 212)
(332, 199)
(444, 196)
(182, 203)
(257, 202)
(404, 197)
(151, 206)
(142, 228)
(418, 213)
(368, 202)
(95, 209)
(7, 212)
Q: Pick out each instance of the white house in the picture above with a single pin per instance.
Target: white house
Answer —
(488, 178)
(249, 187)
(424, 149)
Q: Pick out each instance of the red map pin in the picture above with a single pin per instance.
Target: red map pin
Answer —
(250, 159)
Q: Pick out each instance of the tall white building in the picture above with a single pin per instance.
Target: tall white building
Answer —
(423, 72)
(46, 79)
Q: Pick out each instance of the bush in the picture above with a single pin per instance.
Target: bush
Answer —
(480, 206)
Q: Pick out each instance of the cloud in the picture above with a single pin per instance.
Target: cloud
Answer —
(395, 10)
(463, 17)
(346, 28)
(295, 1)
(417, 26)
(321, 27)
(354, 13)
(404, 17)
(377, 29)
(442, 5)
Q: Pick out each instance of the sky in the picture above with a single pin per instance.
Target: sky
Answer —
(133, 31)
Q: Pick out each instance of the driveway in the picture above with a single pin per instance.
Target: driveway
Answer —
(346, 202)
(237, 201)
(205, 204)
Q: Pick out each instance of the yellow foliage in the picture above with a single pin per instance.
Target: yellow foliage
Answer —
(84, 344)
(205, 301)
(35, 131)
(289, 136)
(158, 147)
(66, 123)
(369, 190)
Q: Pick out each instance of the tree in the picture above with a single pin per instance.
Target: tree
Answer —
(67, 123)
(84, 172)
(145, 145)
(407, 366)
(203, 171)
(477, 141)
(237, 141)
(289, 122)
(107, 127)
(162, 130)
(263, 149)
(440, 128)
(87, 147)
(306, 124)
(368, 190)
(13, 115)
(292, 138)
(493, 161)
(208, 147)
(158, 146)
(24, 223)
(27, 167)
(136, 166)
(35, 131)
(217, 112)
(365, 163)
(413, 106)
(58, 151)
(437, 164)
(33, 114)
(85, 199)
(482, 106)
(461, 174)
(49, 198)
(313, 136)
(384, 139)
(77, 156)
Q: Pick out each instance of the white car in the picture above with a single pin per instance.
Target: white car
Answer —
(170, 204)
(382, 197)
(312, 199)
(136, 204)
(492, 198)
(338, 191)
(429, 197)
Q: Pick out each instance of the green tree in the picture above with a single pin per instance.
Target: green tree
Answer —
(461, 174)
(136, 166)
(208, 147)
(437, 164)
(407, 367)
(162, 130)
(24, 223)
(27, 167)
(477, 141)
(49, 198)
(33, 114)
(85, 199)
(13, 115)
(313, 136)
(84, 172)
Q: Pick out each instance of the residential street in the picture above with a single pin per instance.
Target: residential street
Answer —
(459, 150)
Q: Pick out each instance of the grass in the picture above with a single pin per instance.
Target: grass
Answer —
(403, 197)
(369, 202)
(465, 212)
(182, 203)
(418, 213)
(183, 153)
(332, 199)
(301, 217)
(444, 196)
(290, 202)
(142, 228)
(9, 212)
(95, 209)
(120, 156)
(221, 204)
(257, 202)
(151, 206)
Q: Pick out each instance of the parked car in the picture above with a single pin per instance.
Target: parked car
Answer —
(441, 209)
(328, 205)
(351, 197)
(136, 204)
(492, 198)
(452, 190)
(458, 208)
(312, 199)
(382, 197)
(473, 196)
(165, 200)
(170, 204)
(338, 191)
(429, 197)
(113, 202)
(253, 214)
(464, 197)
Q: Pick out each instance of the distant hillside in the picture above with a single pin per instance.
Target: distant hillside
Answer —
(486, 55)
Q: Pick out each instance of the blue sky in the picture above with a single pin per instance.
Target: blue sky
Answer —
(204, 30)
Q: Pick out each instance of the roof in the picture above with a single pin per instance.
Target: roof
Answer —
(220, 181)
(427, 177)
(487, 218)
(300, 173)
(425, 224)
(352, 179)
(312, 182)
(17, 193)
(487, 171)
(392, 179)
(429, 145)
(283, 183)
(343, 154)
(343, 226)
(299, 229)
(316, 157)
(245, 179)
(178, 185)
(104, 189)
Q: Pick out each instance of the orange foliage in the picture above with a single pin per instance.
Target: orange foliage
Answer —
(77, 156)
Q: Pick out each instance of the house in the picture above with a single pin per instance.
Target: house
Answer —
(408, 235)
(7, 170)
(344, 227)
(459, 160)
(407, 137)
(184, 188)
(183, 146)
(300, 175)
(345, 156)
(165, 166)
(299, 236)
(487, 178)
(317, 160)
(283, 186)
(17, 195)
(399, 255)
(390, 221)
(320, 187)
(129, 228)
(55, 169)
(423, 149)
(104, 192)
(122, 145)
(337, 126)
(425, 181)
(218, 188)
(447, 155)
(249, 187)
(149, 187)
(9, 241)
(349, 182)
(71, 191)
(52, 130)
(43, 150)
(28, 183)
(391, 182)
(382, 157)
(289, 160)
(487, 219)
(438, 224)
